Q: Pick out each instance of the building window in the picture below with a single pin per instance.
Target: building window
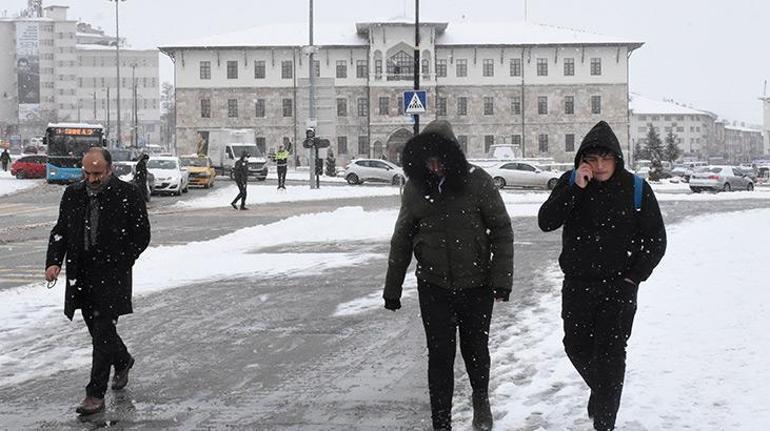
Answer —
(342, 107)
(384, 105)
(205, 70)
(542, 143)
(377, 69)
(569, 105)
(596, 104)
(489, 105)
(542, 67)
(317, 68)
(342, 69)
(666, 118)
(596, 66)
(288, 108)
(461, 68)
(569, 67)
(463, 141)
(362, 69)
(259, 69)
(516, 106)
(363, 107)
(342, 145)
(287, 69)
(232, 108)
(400, 67)
(261, 144)
(488, 67)
(515, 67)
(516, 140)
(232, 70)
(441, 106)
(205, 108)
(363, 145)
(462, 106)
(489, 140)
(569, 142)
(440, 68)
(259, 108)
(425, 70)
(542, 105)
(400, 105)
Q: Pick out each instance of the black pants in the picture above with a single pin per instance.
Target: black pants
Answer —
(108, 350)
(443, 311)
(241, 194)
(597, 324)
(5, 166)
(282, 176)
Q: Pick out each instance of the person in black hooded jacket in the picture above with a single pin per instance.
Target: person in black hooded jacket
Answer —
(453, 218)
(609, 246)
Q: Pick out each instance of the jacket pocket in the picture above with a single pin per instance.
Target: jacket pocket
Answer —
(431, 255)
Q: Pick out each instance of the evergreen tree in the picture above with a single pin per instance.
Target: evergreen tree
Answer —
(654, 146)
(672, 151)
(640, 152)
(331, 164)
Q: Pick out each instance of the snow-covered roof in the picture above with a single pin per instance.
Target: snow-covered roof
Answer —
(97, 47)
(461, 33)
(644, 106)
(74, 125)
(742, 129)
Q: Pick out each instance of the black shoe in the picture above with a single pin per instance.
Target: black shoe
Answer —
(482, 413)
(591, 407)
(90, 405)
(234, 205)
(120, 379)
(243, 208)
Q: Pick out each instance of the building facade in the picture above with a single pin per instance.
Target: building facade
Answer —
(766, 124)
(536, 87)
(53, 69)
(737, 143)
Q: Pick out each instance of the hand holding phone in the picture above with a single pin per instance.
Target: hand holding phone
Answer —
(584, 175)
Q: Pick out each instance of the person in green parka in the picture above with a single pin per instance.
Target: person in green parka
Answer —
(454, 220)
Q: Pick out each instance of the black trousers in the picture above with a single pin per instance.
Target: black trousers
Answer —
(443, 312)
(281, 176)
(5, 166)
(108, 350)
(597, 325)
(241, 194)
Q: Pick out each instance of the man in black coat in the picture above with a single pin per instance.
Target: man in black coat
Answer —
(5, 158)
(454, 221)
(613, 238)
(102, 229)
(141, 175)
(241, 177)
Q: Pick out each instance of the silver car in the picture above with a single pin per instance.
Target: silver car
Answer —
(360, 170)
(720, 178)
(522, 174)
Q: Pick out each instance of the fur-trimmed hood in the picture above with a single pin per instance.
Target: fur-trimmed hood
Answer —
(436, 140)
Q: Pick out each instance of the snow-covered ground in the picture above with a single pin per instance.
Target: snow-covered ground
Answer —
(303, 174)
(10, 185)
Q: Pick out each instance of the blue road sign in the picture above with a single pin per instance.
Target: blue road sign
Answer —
(415, 101)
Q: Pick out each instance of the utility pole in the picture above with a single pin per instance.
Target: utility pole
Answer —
(94, 94)
(134, 112)
(416, 60)
(108, 113)
(117, 61)
(313, 151)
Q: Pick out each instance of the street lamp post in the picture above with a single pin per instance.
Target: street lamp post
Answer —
(117, 61)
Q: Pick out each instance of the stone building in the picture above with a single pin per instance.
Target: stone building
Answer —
(537, 87)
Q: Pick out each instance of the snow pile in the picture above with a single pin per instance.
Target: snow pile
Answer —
(10, 185)
(698, 355)
(270, 194)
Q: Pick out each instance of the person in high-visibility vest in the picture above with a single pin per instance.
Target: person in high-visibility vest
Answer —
(281, 160)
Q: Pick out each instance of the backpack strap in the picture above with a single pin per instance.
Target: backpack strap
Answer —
(638, 190)
(572, 175)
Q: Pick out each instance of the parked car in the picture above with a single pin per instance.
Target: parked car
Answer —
(720, 178)
(29, 167)
(522, 174)
(170, 175)
(126, 171)
(360, 170)
(200, 171)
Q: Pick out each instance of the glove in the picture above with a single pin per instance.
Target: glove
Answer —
(502, 294)
(392, 304)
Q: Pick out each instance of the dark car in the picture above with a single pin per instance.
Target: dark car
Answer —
(29, 167)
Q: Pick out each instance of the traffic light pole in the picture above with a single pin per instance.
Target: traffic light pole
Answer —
(416, 59)
(313, 151)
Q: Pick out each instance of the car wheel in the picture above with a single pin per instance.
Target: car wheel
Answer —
(695, 189)
(499, 182)
(552, 183)
(352, 179)
(397, 180)
(20, 175)
(750, 187)
(184, 190)
(232, 175)
(726, 187)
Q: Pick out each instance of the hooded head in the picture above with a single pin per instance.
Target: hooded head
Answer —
(599, 143)
(434, 153)
(244, 155)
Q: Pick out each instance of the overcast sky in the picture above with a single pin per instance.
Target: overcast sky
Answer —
(712, 54)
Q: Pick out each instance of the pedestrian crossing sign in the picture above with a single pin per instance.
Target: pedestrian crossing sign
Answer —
(415, 101)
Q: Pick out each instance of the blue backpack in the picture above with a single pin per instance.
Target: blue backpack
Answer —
(638, 188)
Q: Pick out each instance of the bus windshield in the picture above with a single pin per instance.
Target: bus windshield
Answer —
(65, 141)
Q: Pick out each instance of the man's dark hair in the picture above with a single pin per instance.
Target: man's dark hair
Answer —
(598, 151)
(105, 153)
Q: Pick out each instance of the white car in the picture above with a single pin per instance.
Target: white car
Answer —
(522, 174)
(126, 171)
(170, 175)
(360, 170)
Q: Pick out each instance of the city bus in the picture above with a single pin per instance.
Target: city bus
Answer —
(67, 142)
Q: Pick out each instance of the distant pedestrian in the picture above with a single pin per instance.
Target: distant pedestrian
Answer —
(455, 222)
(5, 158)
(241, 176)
(281, 161)
(101, 231)
(141, 175)
(612, 240)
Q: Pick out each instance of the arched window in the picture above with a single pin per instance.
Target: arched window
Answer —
(400, 67)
